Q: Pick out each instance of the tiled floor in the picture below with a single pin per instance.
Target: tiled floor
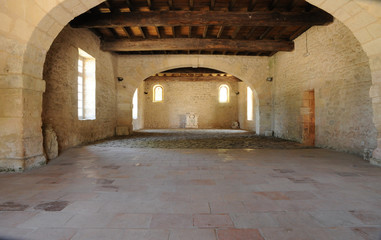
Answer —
(95, 192)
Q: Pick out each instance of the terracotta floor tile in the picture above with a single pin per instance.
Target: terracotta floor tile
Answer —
(212, 221)
(239, 234)
(169, 221)
(192, 234)
(126, 220)
(146, 234)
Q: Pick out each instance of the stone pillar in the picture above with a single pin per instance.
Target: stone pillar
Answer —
(375, 94)
(124, 108)
(20, 120)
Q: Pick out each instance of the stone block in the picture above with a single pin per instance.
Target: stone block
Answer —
(50, 143)
(11, 103)
(373, 48)
(360, 20)
(122, 131)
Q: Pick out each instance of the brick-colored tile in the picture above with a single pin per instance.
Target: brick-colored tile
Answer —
(239, 234)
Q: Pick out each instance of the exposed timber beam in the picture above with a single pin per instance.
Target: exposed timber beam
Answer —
(179, 44)
(205, 33)
(191, 4)
(232, 4)
(273, 4)
(292, 5)
(200, 18)
(194, 78)
(158, 32)
(212, 4)
(220, 31)
(236, 31)
(251, 5)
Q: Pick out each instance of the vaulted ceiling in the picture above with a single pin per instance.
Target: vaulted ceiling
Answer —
(232, 27)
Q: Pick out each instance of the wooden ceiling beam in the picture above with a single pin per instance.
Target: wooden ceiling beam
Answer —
(158, 32)
(178, 44)
(220, 31)
(142, 32)
(251, 5)
(236, 31)
(129, 5)
(200, 18)
(232, 4)
(265, 33)
(212, 4)
(149, 4)
(173, 31)
(191, 4)
(273, 4)
(292, 5)
(205, 33)
(193, 77)
(252, 31)
(170, 4)
(126, 32)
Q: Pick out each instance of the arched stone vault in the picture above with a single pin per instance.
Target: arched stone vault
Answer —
(28, 28)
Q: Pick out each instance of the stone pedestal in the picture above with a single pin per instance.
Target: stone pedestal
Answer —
(191, 120)
(50, 143)
(376, 158)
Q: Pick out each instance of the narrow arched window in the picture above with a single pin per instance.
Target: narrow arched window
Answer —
(223, 95)
(157, 93)
(135, 105)
(249, 104)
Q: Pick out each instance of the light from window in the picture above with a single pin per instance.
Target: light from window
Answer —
(224, 94)
(135, 105)
(86, 86)
(249, 104)
(157, 93)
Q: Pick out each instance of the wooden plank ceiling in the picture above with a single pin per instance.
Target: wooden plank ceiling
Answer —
(227, 27)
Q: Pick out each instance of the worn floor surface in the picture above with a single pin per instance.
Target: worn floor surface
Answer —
(98, 192)
(198, 138)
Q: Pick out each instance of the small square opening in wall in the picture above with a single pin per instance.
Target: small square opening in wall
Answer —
(86, 86)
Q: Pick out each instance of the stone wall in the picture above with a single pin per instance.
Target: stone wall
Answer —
(181, 97)
(332, 63)
(60, 99)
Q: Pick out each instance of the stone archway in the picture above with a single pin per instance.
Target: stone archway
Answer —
(29, 27)
(363, 18)
(252, 71)
(183, 62)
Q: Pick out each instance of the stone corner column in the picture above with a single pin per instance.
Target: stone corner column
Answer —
(21, 140)
(375, 94)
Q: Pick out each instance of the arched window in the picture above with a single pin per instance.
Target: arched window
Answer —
(135, 105)
(158, 93)
(249, 104)
(223, 95)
